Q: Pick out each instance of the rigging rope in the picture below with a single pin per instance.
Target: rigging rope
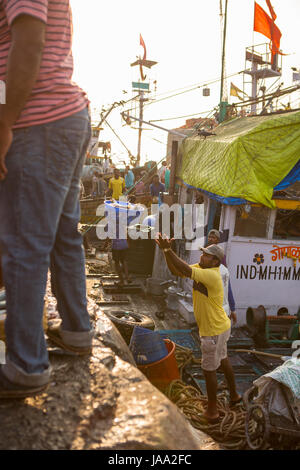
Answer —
(230, 430)
(187, 90)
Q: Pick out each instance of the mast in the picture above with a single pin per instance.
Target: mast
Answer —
(141, 86)
(141, 116)
(223, 50)
(222, 103)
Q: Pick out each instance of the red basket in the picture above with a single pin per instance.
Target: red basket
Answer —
(162, 372)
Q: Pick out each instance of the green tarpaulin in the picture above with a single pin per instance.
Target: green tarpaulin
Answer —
(246, 159)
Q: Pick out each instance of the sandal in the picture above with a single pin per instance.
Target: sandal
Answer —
(12, 390)
(53, 333)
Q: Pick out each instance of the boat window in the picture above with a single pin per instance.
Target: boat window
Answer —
(287, 225)
(253, 222)
(217, 217)
(189, 196)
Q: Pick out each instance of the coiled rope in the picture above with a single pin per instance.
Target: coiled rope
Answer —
(230, 430)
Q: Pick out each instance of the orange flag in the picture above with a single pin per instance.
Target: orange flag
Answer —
(273, 14)
(143, 45)
(143, 77)
(265, 25)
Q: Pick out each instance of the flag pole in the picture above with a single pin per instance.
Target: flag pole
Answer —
(222, 110)
(141, 115)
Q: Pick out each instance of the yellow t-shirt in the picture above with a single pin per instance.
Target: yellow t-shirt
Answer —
(117, 185)
(208, 295)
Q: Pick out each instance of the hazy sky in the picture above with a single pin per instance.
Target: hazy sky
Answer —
(185, 39)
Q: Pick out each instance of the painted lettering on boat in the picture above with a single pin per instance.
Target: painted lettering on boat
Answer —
(267, 273)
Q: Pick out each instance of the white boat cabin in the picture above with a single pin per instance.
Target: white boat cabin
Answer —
(262, 248)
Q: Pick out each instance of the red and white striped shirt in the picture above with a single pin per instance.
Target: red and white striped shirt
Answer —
(54, 95)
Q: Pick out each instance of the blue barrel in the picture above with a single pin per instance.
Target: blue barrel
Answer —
(112, 211)
(147, 346)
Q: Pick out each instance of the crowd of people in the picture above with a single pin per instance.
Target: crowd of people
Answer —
(130, 181)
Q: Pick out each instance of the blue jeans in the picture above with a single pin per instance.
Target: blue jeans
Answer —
(39, 215)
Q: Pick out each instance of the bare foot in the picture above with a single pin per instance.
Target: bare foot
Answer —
(235, 400)
(211, 418)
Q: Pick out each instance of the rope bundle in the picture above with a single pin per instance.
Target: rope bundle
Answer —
(230, 430)
(184, 356)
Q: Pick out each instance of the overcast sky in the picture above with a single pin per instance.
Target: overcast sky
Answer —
(185, 39)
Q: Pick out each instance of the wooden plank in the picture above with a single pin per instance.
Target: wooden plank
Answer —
(112, 302)
(122, 289)
(287, 204)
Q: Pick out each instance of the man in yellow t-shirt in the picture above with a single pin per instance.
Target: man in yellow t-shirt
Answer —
(214, 325)
(116, 185)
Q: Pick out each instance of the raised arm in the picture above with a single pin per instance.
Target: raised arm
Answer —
(177, 266)
(172, 267)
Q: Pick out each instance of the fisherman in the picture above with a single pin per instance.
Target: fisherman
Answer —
(95, 180)
(167, 177)
(116, 185)
(213, 238)
(129, 178)
(119, 255)
(156, 187)
(102, 185)
(213, 323)
(161, 172)
(140, 187)
(45, 131)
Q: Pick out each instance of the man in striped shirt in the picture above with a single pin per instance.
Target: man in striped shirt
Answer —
(44, 135)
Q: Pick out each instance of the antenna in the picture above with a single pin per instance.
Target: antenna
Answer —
(223, 104)
(141, 87)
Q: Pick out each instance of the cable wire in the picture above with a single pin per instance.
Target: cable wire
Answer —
(181, 117)
(187, 90)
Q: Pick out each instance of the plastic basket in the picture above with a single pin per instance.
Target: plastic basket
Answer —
(183, 338)
(147, 346)
(131, 214)
(162, 372)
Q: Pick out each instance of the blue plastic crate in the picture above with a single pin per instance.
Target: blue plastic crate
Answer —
(183, 338)
(147, 346)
